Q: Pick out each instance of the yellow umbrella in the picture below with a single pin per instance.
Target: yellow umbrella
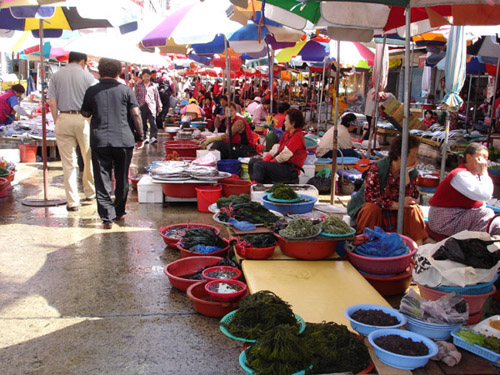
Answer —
(286, 54)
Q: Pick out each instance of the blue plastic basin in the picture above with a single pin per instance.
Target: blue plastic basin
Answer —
(366, 329)
(291, 208)
(403, 362)
(431, 330)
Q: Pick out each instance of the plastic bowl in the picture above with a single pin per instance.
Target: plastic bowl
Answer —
(366, 329)
(305, 249)
(255, 253)
(183, 148)
(226, 297)
(292, 208)
(384, 266)
(399, 361)
(172, 241)
(233, 186)
(430, 330)
(390, 285)
(480, 288)
(187, 266)
(187, 253)
(204, 304)
(431, 181)
(475, 301)
(181, 190)
(236, 273)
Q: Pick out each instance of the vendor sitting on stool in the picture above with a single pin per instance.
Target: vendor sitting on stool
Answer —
(286, 159)
(241, 140)
(458, 203)
(9, 104)
(376, 203)
(344, 142)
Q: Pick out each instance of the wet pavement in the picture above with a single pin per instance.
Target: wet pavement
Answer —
(78, 299)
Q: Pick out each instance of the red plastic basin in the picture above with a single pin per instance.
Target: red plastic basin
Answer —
(206, 273)
(306, 249)
(183, 148)
(204, 304)
(255, 253)
(171, 241)
(390, 285)
(233, 186)
(475, 301)
(187, 266)
(226, 297)
(181, 190)
(4, 182)
(219, 253)
(384, 266)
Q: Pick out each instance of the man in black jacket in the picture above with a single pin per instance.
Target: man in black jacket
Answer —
(112, 138)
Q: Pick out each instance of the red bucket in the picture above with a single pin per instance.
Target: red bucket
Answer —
(207, 195)
(28, 153)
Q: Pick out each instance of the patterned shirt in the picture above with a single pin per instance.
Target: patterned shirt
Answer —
(386, 198)
(148, 95)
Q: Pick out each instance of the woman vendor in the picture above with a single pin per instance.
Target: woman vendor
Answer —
(458, 203)
(344, 142)
(286, 159)
(9, 104)
(241, 140)
(376, 203)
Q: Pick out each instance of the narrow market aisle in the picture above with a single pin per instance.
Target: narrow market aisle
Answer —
(77, 299)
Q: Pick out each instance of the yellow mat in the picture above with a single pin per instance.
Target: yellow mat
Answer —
(317, 290)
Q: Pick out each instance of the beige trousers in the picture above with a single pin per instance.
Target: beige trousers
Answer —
(73, 129)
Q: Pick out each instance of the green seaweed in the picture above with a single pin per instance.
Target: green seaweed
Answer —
(299, 228)
(334, 225)
(285, 193)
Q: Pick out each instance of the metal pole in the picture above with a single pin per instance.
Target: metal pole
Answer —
(44, 117)
(406, 122)
(335, 126)
(478, 78)
(228, 84)
(468, 105)
(271, 76)
(492, 116)
(321, 94)
(373, 125)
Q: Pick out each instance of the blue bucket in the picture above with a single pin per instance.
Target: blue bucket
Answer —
(232, 166)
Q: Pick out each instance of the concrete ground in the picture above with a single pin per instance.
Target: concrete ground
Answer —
(77, 299)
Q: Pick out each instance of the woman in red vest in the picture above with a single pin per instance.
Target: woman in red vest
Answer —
(458, 203)
(286, 159)
(9, 104)
(242, 137)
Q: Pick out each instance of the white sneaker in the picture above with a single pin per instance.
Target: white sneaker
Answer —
(146, 140)
(153, 140)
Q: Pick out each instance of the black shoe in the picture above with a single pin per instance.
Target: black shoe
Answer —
(88, 199)
(73, 209)
(107, 225)
(120, 217)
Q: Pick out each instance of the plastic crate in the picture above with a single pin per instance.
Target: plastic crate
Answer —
(474, 348)
(148, 191)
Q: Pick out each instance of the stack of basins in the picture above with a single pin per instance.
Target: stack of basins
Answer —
(475, 296)
(388, 275)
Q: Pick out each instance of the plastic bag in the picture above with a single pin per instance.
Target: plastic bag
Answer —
(449, 309)
(432, 273)
(381, 244)
(311, 160)
(241, 225)
(323, 184)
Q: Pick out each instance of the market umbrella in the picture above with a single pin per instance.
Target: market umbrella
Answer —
(56, 19)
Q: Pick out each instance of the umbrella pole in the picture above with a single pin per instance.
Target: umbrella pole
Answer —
(320, 107)
(45, 202)
(492, 116)
(468, 105)
(228, 83)
(406, 122)
(335, 127)
(373, 125)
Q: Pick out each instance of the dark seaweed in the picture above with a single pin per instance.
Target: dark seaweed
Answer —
(202, 236)
(252, 212)
(402, 345)
(470, 252)
(335, 348)
(259, 241)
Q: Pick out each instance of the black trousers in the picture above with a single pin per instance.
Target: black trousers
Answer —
(104, 161)
(160, 118)
(148, 116)
(266, 172)
(238, 151)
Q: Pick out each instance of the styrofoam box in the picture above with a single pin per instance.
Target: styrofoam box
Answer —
(148, 191)
(200, 153)
(309, 171)
(304, 189)
(11, 154)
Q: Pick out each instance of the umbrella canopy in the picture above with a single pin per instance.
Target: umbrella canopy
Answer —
(182, 27)
(16, 3)
(455, 67)
(308, 50)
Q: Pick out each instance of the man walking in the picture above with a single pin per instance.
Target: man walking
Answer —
(65, 96)
(149, 105)
(112, 138)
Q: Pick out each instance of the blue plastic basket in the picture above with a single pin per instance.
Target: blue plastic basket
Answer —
(481, 288)
(229, 317)
(474, 348)
(291, 208)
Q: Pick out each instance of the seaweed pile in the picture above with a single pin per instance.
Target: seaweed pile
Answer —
(201, 236)
(257, 241)
(252, 212)
(285, 193)
(226, 201)
(470, 252)
(334, 225)
(299, 228)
